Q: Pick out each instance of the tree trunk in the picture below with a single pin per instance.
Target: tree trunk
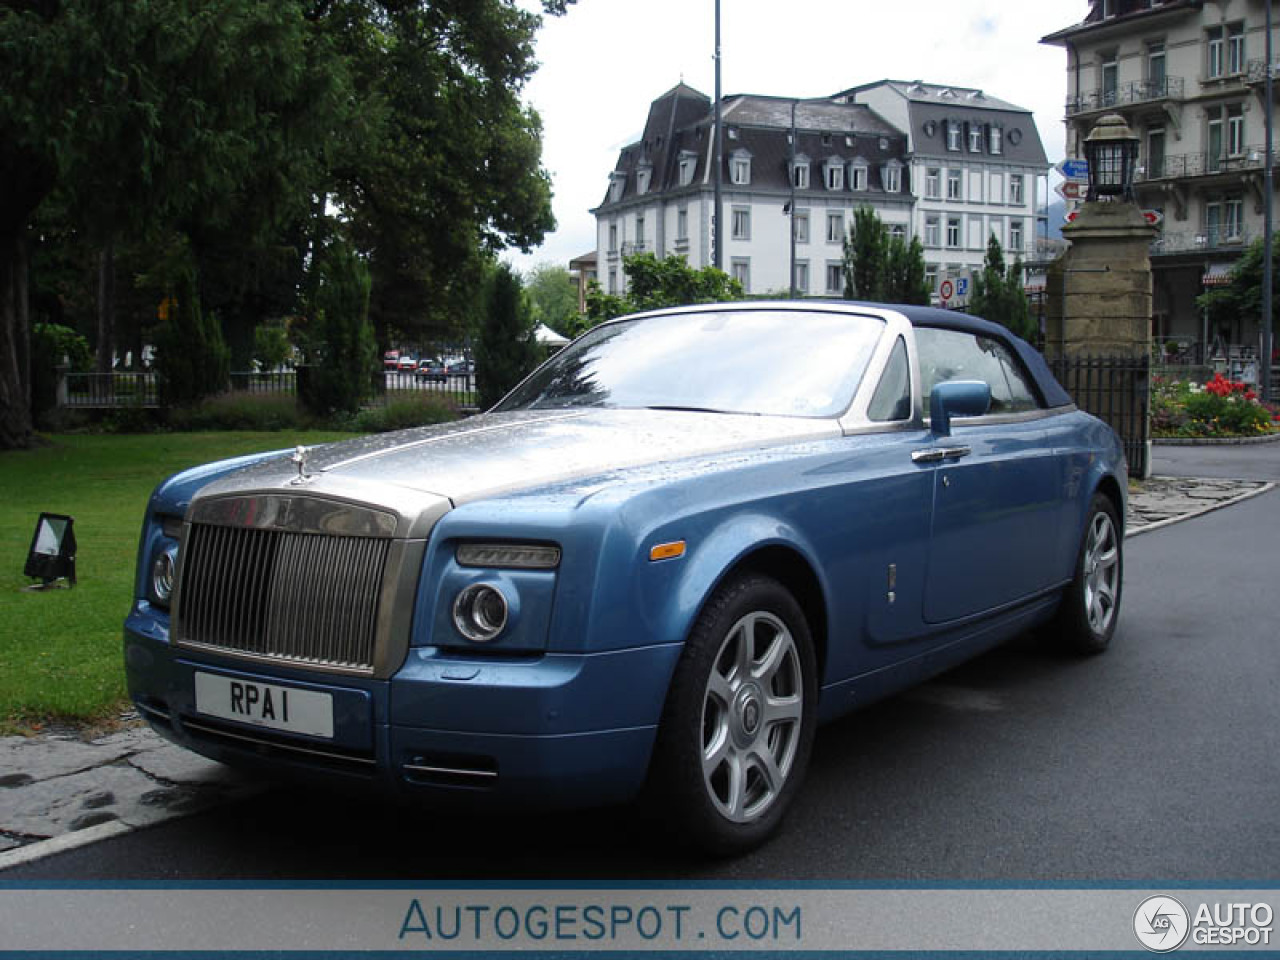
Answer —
(15, 402)
(106, 307)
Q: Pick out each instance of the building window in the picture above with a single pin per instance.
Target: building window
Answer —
(953, 232)
(1015, 236)
(835, 175)
(688, 163)
(953, 136)
(617, 180)
(835, 277)
(613, 237)
(1224, 221)
(933, 184)
(975, 138)
(1016, 194)
(802, 276)
(933, 231)
(741, 169)
(802, 226)
(742, 273)
(997, 188)
(613, 279)
(931, 276)
(1110, 78)
(682, 224)
(1155, 153)
(955, 187)
(639, 234)
(835, 227)
(858, 176)
(1216, 51)
(1156, 78)
(741, 223)
(1235, 48)
(1235, 130)
(642, 180)
(892, 175)
(996, 140)
(800, 174)
(898, 231)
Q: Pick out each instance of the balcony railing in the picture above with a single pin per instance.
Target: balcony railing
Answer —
(631, 249)
(1257, 70)
(1206, 239)
(1180, 165)
(1142, 91)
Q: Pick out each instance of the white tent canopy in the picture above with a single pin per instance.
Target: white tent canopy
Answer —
(548, 337)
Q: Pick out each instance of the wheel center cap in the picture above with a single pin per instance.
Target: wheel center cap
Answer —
(748, 710)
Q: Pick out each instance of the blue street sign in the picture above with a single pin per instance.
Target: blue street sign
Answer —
(1074, 169)
(962, 286)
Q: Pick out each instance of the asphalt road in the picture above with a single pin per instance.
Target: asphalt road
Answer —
(1158, 761)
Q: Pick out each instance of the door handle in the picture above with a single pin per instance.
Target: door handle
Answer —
(938, 454)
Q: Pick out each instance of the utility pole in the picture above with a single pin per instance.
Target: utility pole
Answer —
(717, 230)
(791, 207)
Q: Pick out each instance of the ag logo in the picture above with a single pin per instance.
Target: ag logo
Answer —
(1161, 924)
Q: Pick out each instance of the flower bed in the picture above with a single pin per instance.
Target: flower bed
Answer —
(1219, 408)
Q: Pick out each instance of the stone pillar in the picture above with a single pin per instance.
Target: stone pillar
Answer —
(1098, 320)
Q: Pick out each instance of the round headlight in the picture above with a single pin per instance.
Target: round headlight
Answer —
(480, 612)
(162, 572)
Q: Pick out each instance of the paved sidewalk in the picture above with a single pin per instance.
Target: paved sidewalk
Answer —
(60, 790)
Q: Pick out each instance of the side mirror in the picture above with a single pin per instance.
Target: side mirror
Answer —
(957, 398)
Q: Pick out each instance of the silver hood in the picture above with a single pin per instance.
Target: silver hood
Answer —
(419, 473)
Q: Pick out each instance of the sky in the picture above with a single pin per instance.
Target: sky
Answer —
(605, 61)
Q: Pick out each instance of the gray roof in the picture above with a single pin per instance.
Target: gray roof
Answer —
(919, 92)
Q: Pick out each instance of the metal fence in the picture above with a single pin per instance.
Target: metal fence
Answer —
(113, 390)
(1116, 390)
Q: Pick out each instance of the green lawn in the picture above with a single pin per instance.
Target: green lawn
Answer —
(60, 649)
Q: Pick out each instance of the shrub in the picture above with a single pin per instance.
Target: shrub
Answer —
(403, 414)
(1219, 408)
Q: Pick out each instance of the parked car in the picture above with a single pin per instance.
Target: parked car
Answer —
(391, 360)
(665, 557)
(459, 366)
(432, 369)
(407, 363)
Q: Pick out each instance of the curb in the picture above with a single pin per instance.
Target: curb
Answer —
(60, 844)
(1213, 442)
(1230, 501)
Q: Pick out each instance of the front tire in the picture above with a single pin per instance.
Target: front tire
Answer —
(1091, 604)
(738, 724)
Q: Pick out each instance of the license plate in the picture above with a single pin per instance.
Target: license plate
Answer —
(265, 704)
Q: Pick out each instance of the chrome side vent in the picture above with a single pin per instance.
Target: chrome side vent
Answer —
(305, 598)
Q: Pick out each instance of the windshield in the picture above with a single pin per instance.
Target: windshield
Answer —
(773, 362)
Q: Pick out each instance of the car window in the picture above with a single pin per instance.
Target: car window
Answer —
(892, 399)
(957, 355)
(768, 361)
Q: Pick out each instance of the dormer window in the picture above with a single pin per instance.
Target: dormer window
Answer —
(953, 136)
(834, 174)
(995, 140)
(740, 168)
(858, 174)
(891, 175)
(644, 174)
(975, 138)
(688, 163)
(617, 181)
(800, 172)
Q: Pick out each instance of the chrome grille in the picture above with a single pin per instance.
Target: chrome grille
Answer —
(306, 598)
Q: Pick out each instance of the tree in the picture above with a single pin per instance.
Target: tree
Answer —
(506, 350)
(1241, 296)
(340, 345)
(882, 267)
(998, 294)
(553, 297)
(192, 358)
(654, 283)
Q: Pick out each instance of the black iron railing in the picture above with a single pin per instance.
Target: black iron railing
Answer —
(1116, 390)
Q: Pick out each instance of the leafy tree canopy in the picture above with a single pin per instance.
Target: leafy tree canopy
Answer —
(553, 297)
(654, 283)
(881, 267)
(1241, 296)
(998, 294)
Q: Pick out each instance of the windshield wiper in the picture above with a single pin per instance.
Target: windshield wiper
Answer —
(661, 406)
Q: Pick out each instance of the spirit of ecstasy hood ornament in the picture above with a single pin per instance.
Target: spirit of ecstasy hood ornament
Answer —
(299, 459)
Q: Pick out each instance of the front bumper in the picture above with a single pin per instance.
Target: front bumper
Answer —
(553, 730)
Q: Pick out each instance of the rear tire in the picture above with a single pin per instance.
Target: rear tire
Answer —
(738, 724)
(1090, 606)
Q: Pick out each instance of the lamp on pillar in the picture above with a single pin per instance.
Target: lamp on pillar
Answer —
(1111, 150)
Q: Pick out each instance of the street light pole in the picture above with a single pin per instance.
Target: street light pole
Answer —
(717, 229)
(791, 207)
(1267, 332)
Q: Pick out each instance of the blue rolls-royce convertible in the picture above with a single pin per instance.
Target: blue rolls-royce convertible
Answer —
(661, 561)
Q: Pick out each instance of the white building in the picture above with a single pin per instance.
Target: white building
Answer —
(1188, 76)
(947, 165)
(976, 165)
